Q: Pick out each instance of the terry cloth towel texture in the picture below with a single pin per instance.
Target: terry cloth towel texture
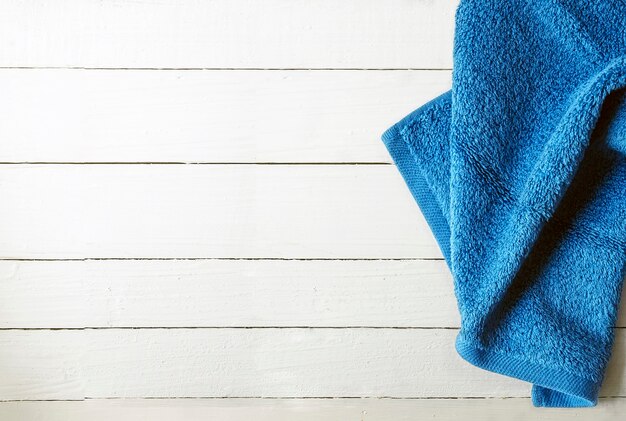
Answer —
(520, 171)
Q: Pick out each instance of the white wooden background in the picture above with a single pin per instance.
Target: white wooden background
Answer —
(199, 221)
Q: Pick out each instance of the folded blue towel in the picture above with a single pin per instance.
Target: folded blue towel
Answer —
(520, 171)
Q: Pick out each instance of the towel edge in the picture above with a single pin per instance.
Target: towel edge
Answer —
(399, 151)
(573, 390)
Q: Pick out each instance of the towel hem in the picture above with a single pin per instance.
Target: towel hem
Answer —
(551, 387)
(400, 153)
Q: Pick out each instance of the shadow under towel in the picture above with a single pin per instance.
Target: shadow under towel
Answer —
(520, 171)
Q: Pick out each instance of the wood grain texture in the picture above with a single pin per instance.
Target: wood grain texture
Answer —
(296, 362)
(228, 33)
(206, 116)
(513, 409)
(272, 362)
(311, 211)
(222, 293)
(41, 364)
(228, 293)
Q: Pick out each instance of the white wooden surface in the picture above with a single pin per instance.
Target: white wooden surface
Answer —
(199, 221)
(514, 409)
(206, 115)
(251, 362)
(220, 211)
(226, 293)
(228, 33)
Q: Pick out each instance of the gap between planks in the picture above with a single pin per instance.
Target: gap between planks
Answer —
(303, 259)
(235, 327)
(252, 69)
(356, 327)
(278, 398)
(186, 163)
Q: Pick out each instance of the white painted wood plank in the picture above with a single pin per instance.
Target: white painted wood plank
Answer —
(514, 409)
(228, 33)
(214, 293)
(228, 293)
(41, 364)
(296, 362)
(206, 116)
(275, 362)
(42, 294)
(74, 211)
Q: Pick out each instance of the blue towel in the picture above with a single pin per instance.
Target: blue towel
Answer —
(520, 171)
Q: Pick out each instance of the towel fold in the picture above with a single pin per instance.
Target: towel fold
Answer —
(520, 171)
